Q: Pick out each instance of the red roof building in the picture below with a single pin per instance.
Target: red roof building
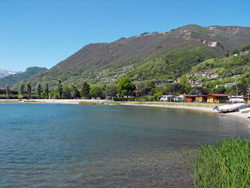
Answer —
(217, 98)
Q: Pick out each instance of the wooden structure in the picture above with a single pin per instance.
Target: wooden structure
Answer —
(217, 98)
(190, 98)
(247, 98)
(201, 98)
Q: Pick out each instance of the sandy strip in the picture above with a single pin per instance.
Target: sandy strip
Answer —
(50, 101)
(241, 116)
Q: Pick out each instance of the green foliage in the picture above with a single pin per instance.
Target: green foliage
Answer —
(111, 90)
(242, 49)
(238, 89)
(185, 83)
(219, 90)
(75, 92)
(66, 92)
(180, 62)
(95, 91)
(85, 90)
(15, 78)
(157, 95)
(21, 89)
(59, 88)
(46, 89)
(175, 89)
(224, 164)
(150, 84)
(199, 91)
(8, 91)
(43, 95)
(28, 89)
(38, 90)
(126, 87)
(54, 95)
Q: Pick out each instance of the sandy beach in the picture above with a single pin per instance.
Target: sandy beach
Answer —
(189, 106)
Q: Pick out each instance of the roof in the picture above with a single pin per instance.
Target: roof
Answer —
(246, 95)
(218, 95)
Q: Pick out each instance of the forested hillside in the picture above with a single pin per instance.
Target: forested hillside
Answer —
(149, 56)
(15, 78)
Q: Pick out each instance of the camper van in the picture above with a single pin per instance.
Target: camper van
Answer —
(236, 99)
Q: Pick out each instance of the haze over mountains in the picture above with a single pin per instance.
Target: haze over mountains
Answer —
(4, 73)
(155, 52)
(17, 77)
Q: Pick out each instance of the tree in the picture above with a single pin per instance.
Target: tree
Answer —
(125, 86)
(95, 91)
(38, 90)
(59, 88)
(46, 90)
(175, 89)
(199, 91)
(66, 92)
(75, 92)
(111, 90)
(21, 89)
(28, 89)
(43, 95)
(185, 83)
(85, 90)
(150, 84)
(8, 91)
(219, 90)
(54, 95)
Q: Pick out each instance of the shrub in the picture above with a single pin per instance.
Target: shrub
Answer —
(20, 97)
(224, 164)
(120, 99)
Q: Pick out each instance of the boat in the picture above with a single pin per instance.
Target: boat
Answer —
(228, 108)
(244, 110)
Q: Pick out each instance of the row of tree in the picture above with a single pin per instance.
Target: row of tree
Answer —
(124, 88)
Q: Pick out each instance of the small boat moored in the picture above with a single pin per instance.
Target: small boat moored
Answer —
(228, 108)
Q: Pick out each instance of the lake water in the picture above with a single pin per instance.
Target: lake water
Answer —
(53, 145)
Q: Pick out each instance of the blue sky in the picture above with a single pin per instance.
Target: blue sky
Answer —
(45, 32)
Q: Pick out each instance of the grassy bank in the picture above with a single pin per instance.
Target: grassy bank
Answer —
(224, 164)
(174, 104)
(204, 105)
(98, 103)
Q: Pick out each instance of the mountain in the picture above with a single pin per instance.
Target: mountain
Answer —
(4, 73)
(149, 56)
(15, 78)
(224, 71)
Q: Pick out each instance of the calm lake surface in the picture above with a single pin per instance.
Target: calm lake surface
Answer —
(53, 145)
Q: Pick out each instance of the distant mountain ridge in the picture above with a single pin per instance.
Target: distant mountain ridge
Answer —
(4, 73)
(15, 78)
(107, 62)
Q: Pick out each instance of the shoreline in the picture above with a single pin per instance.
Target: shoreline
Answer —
(204, 107)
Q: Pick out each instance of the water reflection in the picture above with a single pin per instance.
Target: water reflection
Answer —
(73, 145)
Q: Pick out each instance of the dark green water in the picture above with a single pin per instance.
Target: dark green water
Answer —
(43, 145)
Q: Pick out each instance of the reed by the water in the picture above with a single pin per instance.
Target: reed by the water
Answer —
(224, 164)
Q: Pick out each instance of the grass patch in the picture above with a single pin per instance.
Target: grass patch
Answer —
(98, 103)
(224, 164)
(204, 105)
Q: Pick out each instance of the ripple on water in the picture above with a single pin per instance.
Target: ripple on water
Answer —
(105, 146)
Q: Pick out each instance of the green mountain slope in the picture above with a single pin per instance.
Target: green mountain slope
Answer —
(224, 71)
(13, 79)
(148, 56)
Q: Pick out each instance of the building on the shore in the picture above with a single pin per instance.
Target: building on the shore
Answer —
(190, 98)
(201, 98)
(217, 98)
(247, 98)
(195, 98)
